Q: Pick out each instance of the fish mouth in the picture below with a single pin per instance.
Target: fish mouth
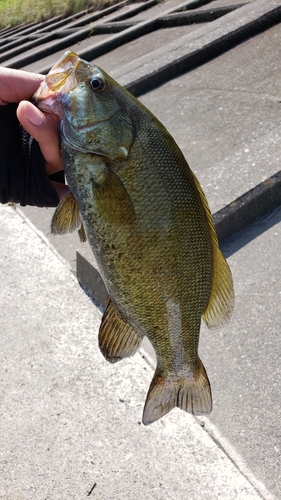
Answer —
(63, 77)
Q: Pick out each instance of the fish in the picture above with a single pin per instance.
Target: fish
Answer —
(134, 197)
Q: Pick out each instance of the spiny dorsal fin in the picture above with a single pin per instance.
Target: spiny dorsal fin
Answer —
(221, 300)
(117, 339)
(67, 218)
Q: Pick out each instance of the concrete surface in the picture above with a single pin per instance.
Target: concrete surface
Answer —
(244, 358)
(57, 42)
(191, 50)
(226, 117)
(68, 418)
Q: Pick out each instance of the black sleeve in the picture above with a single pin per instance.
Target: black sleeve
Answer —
(23, 177)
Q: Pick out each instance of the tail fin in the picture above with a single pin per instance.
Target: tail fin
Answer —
(191, 393)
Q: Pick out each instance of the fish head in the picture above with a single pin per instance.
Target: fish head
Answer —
(90, 105)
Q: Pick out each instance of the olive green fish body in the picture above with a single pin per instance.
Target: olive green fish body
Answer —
(151, 231)
(139, 257)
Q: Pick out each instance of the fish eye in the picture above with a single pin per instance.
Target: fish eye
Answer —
(97, 83)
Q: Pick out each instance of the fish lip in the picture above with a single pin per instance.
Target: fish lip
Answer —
(61, 73)
(47, 100)
(60, 80)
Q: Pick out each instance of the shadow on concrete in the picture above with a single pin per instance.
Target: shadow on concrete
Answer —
(244, 237)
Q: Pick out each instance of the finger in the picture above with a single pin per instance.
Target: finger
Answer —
(45, 130)
(16, 85)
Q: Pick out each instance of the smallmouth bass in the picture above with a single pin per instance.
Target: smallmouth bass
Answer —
(149, 226)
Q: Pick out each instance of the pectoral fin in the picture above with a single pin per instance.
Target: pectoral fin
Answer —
(117, 339)
(67, 218)
(113, 200)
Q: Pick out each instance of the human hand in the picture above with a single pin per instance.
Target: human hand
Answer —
(18, 86)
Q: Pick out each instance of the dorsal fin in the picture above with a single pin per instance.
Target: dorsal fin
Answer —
(221, 300)
(117, 339)
(67, 218)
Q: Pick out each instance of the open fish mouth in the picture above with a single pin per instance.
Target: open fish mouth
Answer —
(62, 78)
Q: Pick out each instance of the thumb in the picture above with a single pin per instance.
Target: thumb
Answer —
(44, 128)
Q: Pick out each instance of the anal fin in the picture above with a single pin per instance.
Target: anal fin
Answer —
(117, 339)
(190, 392)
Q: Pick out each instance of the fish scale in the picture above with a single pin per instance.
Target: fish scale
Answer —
(149, 226)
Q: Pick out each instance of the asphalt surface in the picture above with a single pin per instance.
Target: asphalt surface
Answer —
(70, 420)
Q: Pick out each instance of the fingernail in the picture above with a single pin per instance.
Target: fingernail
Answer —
(33, 115)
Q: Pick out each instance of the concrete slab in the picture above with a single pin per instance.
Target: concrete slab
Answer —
(38, 66)
(141, 46)
(158, 8)
(243, 359)
(226, 117)
(66, 246)
(70, 421)
(225, 3)
(131, 33)
(195, 48)
(119, 56)
(52, 42)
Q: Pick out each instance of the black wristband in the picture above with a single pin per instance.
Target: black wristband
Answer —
(23, 176)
